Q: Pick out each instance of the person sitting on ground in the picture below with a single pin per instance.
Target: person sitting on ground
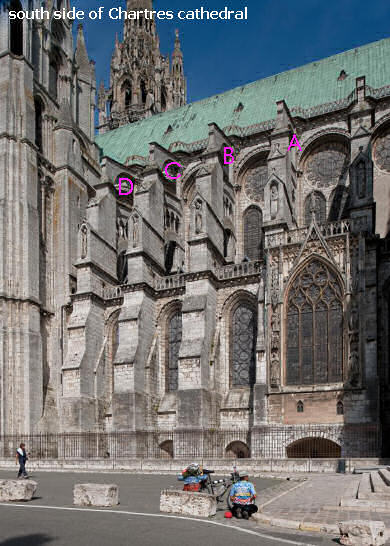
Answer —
(242, 496)
(21, 458)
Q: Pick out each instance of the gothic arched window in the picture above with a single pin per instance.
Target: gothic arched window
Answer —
(361, 179)
(122, 267)
(170, 248)
(143, 92)
(243, 345)
(127, 94)
(173, 347)
(163, 99)
(315, 202)
(253, 233)
(38, 122)
(16, 30)
(53, 73)
(314, 325)
(340, 408)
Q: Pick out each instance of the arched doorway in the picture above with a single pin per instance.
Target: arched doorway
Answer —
(166, 449)
(313, 448)
(237, 450)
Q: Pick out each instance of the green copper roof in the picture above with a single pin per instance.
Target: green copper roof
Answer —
(305, 87)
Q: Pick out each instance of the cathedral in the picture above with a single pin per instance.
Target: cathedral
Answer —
(252, 296)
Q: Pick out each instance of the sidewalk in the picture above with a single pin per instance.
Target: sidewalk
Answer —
(313, 505)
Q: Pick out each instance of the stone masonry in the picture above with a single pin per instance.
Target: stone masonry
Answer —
(253, 295)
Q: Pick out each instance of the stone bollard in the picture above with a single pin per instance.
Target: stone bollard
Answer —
(188, 503)
(362, 533)
(95, 494)
(17, 490)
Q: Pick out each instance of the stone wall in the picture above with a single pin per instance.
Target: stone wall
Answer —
(81, 263)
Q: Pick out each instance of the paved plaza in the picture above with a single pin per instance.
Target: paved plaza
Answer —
(313, 504)
(51, 519)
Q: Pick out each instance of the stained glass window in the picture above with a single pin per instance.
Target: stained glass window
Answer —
(253, 234)
(174, 341)
(243, 346)
(315, 327)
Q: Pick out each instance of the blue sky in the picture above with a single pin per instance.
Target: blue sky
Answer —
(278, 35)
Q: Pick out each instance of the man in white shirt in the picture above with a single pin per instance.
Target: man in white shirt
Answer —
(21, 458)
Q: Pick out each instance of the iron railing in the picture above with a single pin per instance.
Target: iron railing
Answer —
(269, 442)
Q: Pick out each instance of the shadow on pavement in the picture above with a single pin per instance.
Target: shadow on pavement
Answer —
(27, 540)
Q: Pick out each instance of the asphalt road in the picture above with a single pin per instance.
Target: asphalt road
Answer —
(50, 518)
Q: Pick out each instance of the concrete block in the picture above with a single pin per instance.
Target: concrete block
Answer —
(95, 494)
(17, 490)
(362, 533)
(188, 503)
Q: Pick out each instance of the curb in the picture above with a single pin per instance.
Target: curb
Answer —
(297, 525)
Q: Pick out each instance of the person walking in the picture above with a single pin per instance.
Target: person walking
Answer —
(242, 496)
(21, 458)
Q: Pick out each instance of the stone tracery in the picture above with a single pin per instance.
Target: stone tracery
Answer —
(314, 324)
(382, 151)
(327, 164)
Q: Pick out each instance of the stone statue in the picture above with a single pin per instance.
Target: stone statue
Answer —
(354, 319)
(198, 217)
(149, 104)
(275, 340)
(275, 284)
(275, 322)
(84, 241)
(135, 231)
(315, 207)
(353, 372)
(275, 372)
(355, 276)
(274, 205)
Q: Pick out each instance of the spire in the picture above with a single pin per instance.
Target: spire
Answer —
(177, 50)
(142, 82)
(81, 55)
(177, 74)
(134, 5)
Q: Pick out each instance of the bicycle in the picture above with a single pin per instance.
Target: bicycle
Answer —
(218, 488)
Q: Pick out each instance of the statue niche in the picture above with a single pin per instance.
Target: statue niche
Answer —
(84, 241)
(361, 174)
(198, 216)
(274, 201)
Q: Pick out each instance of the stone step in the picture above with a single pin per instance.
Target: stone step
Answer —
(379, 486)
(350, 493)
(365, 491)
(368, 505)
(385, 474)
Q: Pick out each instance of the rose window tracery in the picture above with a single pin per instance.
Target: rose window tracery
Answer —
(255, 183)
(382, 152)
(327, 165)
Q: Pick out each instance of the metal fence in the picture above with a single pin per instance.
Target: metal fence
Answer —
(273, 442)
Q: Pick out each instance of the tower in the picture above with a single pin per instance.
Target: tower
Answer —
(142, 83)
(47, 128)
(178, 81)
